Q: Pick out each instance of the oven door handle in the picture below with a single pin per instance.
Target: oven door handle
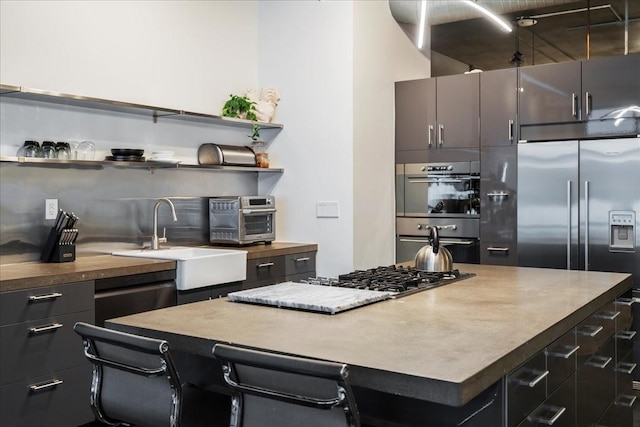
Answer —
(433, 181)
(257, 211)
(442, 241)
(456, 242)
(425, 240)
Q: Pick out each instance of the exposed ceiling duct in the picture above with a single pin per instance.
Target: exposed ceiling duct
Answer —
(544, 31)
(443, 11)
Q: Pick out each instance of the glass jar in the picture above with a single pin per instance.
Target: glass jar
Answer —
(49, 150)
(63, 151)
(31, 149)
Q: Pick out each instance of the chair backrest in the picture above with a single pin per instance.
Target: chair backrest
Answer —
(277, 390)
(134, 378)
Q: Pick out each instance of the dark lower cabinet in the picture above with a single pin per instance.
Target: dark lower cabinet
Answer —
(587, 375)
(45, 380)
(59, 399)
(559, 410)
(526, 388)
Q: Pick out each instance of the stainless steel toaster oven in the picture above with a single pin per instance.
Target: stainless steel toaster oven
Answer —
(242, 220)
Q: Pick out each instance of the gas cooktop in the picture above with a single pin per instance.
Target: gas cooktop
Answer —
(347, 291)
(400, 281)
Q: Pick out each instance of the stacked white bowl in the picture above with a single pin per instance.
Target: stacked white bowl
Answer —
(162, 156)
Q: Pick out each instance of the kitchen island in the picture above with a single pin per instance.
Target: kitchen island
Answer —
(449, 346)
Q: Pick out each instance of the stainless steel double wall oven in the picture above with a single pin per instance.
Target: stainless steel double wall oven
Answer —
(438, 194)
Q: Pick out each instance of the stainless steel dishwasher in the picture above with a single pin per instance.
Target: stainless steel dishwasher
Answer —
(124, 295)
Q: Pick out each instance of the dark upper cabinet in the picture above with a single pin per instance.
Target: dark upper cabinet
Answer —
(438, 113)
(458, 111)
(609, 86)
(550, 93)
(498, 107)
(595, 89)
(415, 114)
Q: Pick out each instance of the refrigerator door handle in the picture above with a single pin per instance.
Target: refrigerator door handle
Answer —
(586, 226)
(568, 225)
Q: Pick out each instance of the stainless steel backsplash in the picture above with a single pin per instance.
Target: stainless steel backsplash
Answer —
(115, 205)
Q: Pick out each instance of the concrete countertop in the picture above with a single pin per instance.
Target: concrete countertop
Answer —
(444, 345)
(38, 274)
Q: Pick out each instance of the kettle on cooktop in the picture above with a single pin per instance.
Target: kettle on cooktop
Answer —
(432, 257)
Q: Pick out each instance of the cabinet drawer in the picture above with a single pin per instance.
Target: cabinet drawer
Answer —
(40, 303)
(593, 332)
(30, 349)
(558, 410)
(493, 253)
(561, 360)
(267, 269)
(619, 413)
(596, 384)
(526, 389)
(299, 263)
(625, 368)
(625, 306)
(62, 405)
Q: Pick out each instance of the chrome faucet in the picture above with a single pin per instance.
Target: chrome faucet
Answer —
(155, 240)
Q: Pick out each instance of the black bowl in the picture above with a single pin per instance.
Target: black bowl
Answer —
(127, 152)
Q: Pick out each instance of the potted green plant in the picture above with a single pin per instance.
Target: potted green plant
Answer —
(240, 107)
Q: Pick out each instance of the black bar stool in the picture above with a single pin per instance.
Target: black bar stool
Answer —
(276, 390)
(135, 383)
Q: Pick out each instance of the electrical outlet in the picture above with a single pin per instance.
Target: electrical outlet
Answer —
(50, 208)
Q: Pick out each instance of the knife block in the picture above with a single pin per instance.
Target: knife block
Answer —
(66, 253)
(55, 252)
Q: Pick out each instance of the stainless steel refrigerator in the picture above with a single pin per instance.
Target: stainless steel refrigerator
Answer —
(579, 205)
(579, 208)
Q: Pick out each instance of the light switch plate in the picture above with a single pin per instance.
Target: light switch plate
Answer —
(329, 209)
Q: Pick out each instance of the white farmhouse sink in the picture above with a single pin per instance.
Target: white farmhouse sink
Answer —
(199, 267)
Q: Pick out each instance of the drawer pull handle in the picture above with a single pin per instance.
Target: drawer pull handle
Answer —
(546, 415)
(625, 301)
(265, 264)
(496, 249)
(563, 351)
(50, 327)
(626, 335)
(590, 331)
(625, 400)
(52, 295)
(540, 375)
(44, 386)
(625, 367)
(599, 362)
(304, 259)
(607, 315)
(498, 194)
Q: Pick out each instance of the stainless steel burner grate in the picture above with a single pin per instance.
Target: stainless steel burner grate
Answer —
(401, 281)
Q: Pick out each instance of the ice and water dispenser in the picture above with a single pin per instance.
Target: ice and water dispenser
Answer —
(622, 233)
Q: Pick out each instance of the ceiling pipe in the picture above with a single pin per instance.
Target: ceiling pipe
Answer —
(626, 27)
(588, 29)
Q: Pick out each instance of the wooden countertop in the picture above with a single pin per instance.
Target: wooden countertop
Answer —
(37, 274)
(444, 345)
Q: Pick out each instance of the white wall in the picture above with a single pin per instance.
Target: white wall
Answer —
(306, 52)
(383, 55)
(186, 55)
(334, 63)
